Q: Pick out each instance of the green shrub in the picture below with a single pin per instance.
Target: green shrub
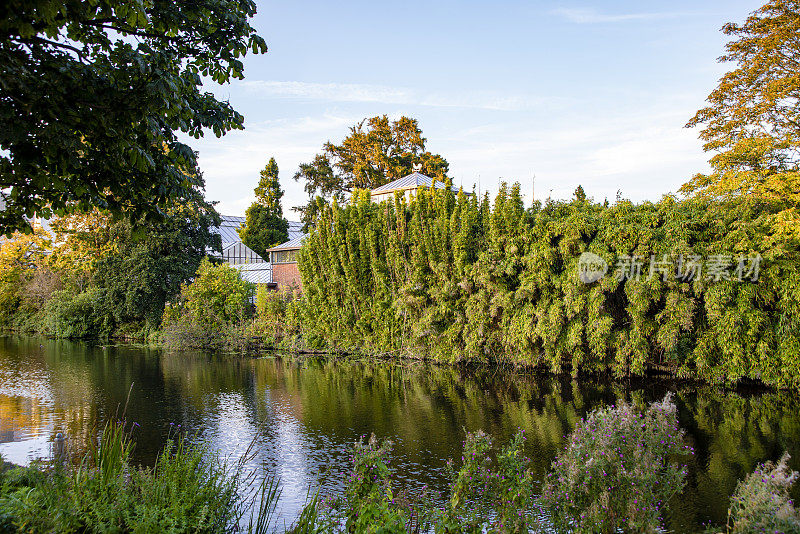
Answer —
(140, 331)
(81, 315)
(217, 295)
(184, 330)
(617, 470)
(270, 303)
(277, 322)
(761, 502)
(212, 310)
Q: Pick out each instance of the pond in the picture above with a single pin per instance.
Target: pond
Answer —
(305, 414)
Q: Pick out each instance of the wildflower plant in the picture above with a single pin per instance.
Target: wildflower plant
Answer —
(514, 488)
(368, 499)
(470, 486)
(489, 496)
(761, 502)
(618, 470)
(486, 494)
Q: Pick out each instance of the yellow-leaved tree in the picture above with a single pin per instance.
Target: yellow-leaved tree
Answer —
(752, 123)
(81, 241)
(19, 258)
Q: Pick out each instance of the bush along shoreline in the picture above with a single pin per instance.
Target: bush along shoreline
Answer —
(693, 290)
(617, 473)
(452, 278)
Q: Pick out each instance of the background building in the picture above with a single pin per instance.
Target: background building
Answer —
(283, 259)
(252, 267)
(408, 185)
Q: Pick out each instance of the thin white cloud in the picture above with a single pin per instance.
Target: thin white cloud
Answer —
(640, 147)
(583, 15)
(382, 94)
(341, 92)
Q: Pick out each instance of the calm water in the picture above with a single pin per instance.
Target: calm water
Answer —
(304, 416)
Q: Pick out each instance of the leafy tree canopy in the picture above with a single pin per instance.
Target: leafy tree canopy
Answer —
(81, 241)
(268, 191)
(131, 269)
(265, 225)
(752, 121)
(375, 152)
(93, 93)
(149, 269)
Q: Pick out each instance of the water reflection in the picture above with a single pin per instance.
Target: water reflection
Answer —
(304, 416)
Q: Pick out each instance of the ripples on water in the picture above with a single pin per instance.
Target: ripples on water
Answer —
(304, 416)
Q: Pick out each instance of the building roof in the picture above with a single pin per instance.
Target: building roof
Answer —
(228, 229)
(292, 244)
(412, 181)
(239, 253)
(255, 273)
(295, 229)
(229, 226)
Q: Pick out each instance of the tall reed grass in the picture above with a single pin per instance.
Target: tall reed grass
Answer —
(189, 489)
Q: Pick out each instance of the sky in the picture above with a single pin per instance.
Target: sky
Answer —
(574, 93)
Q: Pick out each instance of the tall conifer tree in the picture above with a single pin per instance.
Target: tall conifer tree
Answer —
(265, 225)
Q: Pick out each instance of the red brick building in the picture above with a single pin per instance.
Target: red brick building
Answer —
(283, 258)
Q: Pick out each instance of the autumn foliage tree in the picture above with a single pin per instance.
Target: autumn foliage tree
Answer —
(19, 258)
(752, 124)
(375, 152)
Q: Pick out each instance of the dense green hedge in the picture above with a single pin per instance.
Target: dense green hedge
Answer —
(455, 278)
(83, 315)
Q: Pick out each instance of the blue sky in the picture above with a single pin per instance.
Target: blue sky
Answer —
(590, 93)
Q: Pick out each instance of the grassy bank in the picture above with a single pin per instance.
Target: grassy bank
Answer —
(188, 490)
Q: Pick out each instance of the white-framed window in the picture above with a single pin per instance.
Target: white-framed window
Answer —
(284, 256)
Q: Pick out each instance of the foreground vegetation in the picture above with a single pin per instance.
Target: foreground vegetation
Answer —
(188, 490)
(623, 481)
